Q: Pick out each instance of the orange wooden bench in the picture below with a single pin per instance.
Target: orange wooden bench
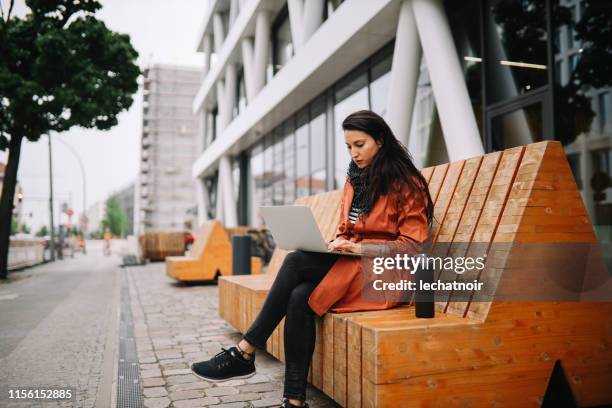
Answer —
(210, 255)
(472, 353)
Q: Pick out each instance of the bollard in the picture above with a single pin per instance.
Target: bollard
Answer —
(424, 299)
(241, 255)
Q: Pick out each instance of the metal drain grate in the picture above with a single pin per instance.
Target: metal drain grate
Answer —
(129, 391)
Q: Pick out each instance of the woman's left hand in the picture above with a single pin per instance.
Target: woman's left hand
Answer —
(344, 245)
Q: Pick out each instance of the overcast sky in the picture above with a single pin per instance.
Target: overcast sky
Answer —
(162, 31)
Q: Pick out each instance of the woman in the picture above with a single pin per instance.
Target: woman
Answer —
(385, 200)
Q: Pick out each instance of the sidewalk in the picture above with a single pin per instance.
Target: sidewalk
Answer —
(175, 324)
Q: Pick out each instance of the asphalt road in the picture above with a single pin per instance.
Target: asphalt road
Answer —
(58, 328)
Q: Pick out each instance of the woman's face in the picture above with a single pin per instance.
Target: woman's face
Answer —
(361, 147)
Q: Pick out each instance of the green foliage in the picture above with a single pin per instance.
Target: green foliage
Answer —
(115, 218)
(14, 225)
(61, 67)
(24, 229)
(43, 231)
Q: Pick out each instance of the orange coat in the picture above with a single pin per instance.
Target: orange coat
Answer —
(388, 222)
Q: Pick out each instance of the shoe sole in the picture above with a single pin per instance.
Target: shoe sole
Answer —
(216, 380)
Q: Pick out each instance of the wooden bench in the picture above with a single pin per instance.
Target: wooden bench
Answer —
(156, 246)
(210, 256)
(472, 353)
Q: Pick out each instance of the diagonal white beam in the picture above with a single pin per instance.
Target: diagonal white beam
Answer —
(448, 84)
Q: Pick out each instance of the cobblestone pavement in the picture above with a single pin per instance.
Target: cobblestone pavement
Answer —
(55, 326)
(176, 324)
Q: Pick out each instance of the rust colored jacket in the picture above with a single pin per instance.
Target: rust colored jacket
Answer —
(388, 222)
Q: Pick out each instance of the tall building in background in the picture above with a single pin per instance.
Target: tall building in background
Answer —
(165, 188)
(126, 198)
(454, 79)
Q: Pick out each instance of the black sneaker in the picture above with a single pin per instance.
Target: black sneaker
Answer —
(287, 404)
(226, 365)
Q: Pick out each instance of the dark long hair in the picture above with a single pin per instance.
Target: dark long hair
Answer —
(392, 165)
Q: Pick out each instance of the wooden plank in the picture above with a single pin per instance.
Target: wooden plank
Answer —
(328, 354)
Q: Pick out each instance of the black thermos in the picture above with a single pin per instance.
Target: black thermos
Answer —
(241, 255)
(424, 299)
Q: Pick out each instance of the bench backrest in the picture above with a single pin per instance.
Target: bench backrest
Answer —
(525, 194)
(522, 194)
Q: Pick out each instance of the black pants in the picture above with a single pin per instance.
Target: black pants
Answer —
(288, 297)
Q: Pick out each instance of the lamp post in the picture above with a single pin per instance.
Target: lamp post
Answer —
(76, 155)
(52, 240)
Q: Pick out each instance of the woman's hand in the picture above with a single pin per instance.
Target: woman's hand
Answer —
(341, 244)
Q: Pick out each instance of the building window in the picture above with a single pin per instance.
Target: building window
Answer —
(215, 123)
(278, 195)
(351, 94)
(318, 147)
(380, 77)
(516, 48)
(574, 162)
(282, 45)
(302, 139)
(289, 162)
(605, 112)
(330, 7)
(241, 101)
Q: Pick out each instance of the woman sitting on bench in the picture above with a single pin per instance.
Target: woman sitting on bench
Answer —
(385, 199)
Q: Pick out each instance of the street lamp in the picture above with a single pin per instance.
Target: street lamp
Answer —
(76, 155)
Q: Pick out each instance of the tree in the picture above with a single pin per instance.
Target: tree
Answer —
(115, 218)
(43, 231)
(59, 67)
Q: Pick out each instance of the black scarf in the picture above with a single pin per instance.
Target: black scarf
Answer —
(360, 198)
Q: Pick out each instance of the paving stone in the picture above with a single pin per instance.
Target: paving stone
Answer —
(257, 378)
(232, 405)
(198, 402)
(178, 371)
(200, 385)
(262, 387)
(161, 402)
(219, 391)
(187, 394)
(150, 373)
(155, 392)
(153, 382)
(249, 396)
(268, 402)
(180, 379)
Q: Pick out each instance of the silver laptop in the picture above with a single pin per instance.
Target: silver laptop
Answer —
(294, 227)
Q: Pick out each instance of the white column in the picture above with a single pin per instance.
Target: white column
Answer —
(305, 18)
(219, 213)
(313, 18)
(233, 12)
(296, 13)
(221, 111)
(226, 191)
(202, 200)
(452, 99)
(207, 46)
(247, 64)
(404, 74)
(218, 31)
(262, 50)
(230, 94)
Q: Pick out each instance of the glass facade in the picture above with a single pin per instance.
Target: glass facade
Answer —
(282, 43)
(293, 159)
(534, 70)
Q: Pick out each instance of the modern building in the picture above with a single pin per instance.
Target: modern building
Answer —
(95, 215)
(170, 133)
(126, 198)
(454, 79)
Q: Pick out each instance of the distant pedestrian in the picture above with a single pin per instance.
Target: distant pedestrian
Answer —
(107, 238)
